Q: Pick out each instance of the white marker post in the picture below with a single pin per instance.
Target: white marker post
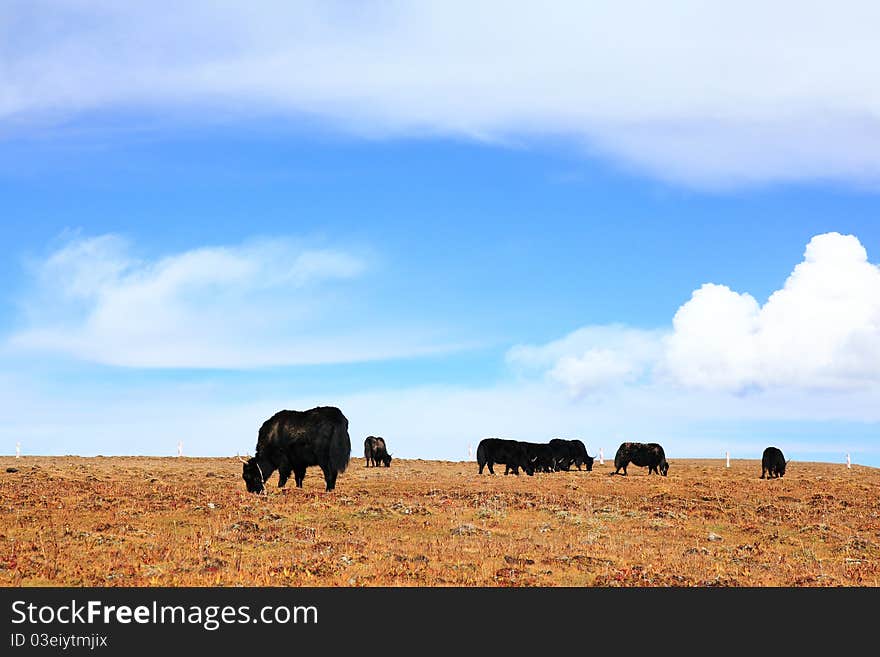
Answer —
(728, 459)
(179, 448)
(470, 452)
(601, 457)
(848, 462)
(18, 450)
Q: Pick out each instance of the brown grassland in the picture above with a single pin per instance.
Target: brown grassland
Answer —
(139, 521)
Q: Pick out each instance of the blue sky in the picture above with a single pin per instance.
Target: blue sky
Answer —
(246, 217)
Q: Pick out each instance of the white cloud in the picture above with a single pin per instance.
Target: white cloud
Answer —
(821, 330)
(592, 357)
(712, 342)
(262, 303)
(706, 93)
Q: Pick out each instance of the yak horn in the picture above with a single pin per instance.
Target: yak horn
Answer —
(240, 458)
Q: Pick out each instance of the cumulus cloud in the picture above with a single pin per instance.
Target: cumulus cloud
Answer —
(712, 343)
(705, 93)
(267, 302)
(820, 330)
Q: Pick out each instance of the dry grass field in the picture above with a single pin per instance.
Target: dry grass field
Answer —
(137, 521)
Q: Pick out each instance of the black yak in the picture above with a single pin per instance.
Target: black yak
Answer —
(541, 457)
(290, 441)
(512, 453)
(570, 452)
(376, 452)
(641, 454)
(581, 456)
(773, 463)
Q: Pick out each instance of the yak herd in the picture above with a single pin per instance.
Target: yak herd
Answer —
(561, 454)
(291, 441)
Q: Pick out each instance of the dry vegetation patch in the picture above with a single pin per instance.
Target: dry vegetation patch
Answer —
(137, 521)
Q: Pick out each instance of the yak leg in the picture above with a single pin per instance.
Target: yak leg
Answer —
(299, 473)
(329, 476)
(283, 472)
(491, 471)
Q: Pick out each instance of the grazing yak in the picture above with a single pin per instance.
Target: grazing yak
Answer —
(541, 456)
(773, 463)
(290, 441)
(375, 452)
(570, 452)
(641, 454)
(512, 453)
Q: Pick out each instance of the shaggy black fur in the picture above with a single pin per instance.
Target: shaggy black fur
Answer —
(290, 441)
(641, 454)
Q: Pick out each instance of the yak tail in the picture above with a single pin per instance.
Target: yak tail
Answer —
(340, 448)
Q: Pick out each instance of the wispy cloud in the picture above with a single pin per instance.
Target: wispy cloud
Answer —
(705, 93)
(268, 302)
(593, 357)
